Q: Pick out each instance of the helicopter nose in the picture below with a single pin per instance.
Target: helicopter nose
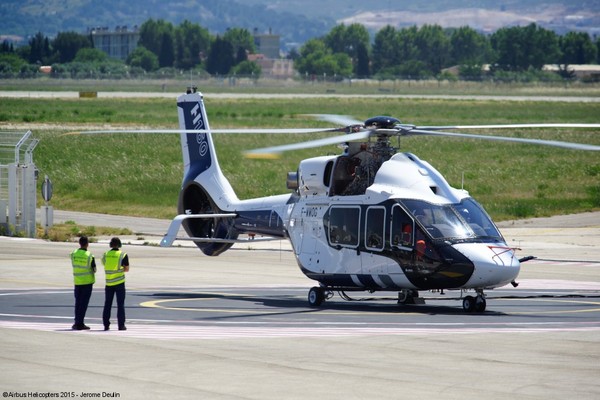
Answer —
(495, 265)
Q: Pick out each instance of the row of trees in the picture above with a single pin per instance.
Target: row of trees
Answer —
(426, 51)
(162, 46)
(346, 51)
(189, 46)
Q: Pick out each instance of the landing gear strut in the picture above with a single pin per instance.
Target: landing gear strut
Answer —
(475, 304)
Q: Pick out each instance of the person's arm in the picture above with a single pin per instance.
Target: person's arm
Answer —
(125, 263)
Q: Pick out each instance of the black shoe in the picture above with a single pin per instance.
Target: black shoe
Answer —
(106, 327)
(74, 327)
(122, 328)
(84, 327)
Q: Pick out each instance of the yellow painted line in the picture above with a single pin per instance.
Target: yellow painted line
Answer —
(160, 305)
(164, 305)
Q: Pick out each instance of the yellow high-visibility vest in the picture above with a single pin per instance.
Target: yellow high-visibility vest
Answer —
(82, 267)
(115, 273)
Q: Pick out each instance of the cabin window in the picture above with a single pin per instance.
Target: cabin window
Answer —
(375, 228)
(343, 226)
(402, 229)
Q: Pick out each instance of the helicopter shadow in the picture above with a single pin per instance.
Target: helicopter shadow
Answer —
(245, 306)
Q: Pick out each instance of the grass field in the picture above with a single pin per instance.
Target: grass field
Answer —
(140, 174)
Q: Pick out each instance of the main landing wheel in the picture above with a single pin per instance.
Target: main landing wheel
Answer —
(472, 304)
(469, 303)
(316, 295)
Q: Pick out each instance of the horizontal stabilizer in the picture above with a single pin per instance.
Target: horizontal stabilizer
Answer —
(217, 240)
(171, 234)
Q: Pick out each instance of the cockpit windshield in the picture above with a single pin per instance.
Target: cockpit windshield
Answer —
(462, 221)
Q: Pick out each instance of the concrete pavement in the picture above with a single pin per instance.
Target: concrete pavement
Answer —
(537, 364)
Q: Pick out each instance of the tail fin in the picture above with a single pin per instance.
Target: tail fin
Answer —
(204, 189)
(199, 157)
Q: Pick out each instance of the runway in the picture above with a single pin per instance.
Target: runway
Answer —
(238, 326)
(224, 95)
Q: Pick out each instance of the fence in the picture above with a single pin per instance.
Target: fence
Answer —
(18, 182)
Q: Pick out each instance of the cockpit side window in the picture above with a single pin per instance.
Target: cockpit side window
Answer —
(459, 221)
(477, 218)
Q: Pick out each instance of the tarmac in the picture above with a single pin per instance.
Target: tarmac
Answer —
(422, 355)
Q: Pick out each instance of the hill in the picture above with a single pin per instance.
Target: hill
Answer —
(26, 18)
(487, 16)
(295, 20)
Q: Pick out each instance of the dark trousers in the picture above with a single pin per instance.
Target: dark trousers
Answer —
(110, 292)
(83, 293)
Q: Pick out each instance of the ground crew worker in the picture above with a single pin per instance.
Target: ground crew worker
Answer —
(116, 263)
(84, 268)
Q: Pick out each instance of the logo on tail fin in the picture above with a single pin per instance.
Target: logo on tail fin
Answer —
(193, 117)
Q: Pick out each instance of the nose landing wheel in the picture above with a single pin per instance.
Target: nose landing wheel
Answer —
(316, 296)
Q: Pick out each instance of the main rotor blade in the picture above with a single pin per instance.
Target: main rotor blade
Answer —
(508, 126)
(271, 152)
(243, 131)
(344, 120)
(567, 145)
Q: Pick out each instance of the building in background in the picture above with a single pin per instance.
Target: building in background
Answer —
(117, 44)
(269, 56)
(273, 67)
(267, 44)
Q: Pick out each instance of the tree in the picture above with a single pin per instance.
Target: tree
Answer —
(247, 68)
(192, 43)
(468, 47)
(434, 47)
(353, 41)
(166, 56)
(577, 48)
(362, 68)
(522, 48)
(220, 58)
(90, 55)
(385, 50)
(397, 53)
(407, 47)
(158, 37)
(39, 49)
(6, 47)
(10, 64)
(143, 58)
(67, 44)
(242, 43)
(317, 59)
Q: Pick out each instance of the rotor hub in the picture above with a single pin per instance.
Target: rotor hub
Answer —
(382, 122)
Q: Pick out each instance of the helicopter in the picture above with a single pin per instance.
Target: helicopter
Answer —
(370, 219)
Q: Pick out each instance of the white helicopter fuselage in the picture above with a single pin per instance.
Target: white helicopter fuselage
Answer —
(373, 255)
(354, 222)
